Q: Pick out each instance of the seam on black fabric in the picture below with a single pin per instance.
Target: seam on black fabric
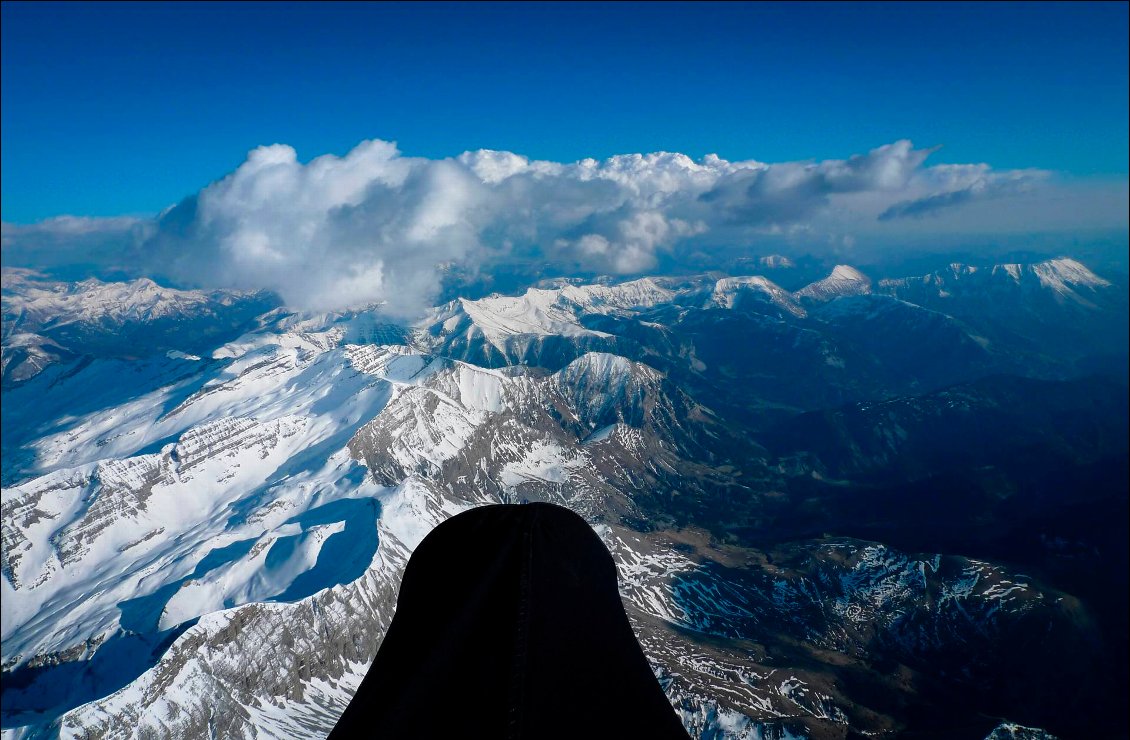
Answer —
(522, 636)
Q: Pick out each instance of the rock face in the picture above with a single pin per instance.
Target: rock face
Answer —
(210, 542)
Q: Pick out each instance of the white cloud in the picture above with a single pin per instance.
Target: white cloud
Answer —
(376, 226)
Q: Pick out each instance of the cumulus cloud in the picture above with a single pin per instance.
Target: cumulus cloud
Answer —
(336, 232)
(625, 242)
(375, 226)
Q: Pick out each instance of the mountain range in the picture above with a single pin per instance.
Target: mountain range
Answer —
(864, 507)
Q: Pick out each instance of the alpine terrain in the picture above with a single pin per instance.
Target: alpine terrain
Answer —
(853, 504)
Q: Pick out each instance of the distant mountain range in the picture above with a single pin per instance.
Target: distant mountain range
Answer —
(891, 507)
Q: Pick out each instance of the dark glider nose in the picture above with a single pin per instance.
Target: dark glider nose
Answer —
(509, 624)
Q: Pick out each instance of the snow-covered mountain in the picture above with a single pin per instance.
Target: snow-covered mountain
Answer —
(1047, 313)
(209, 541)
(46, 321)
(1064, 279)
(845, 280)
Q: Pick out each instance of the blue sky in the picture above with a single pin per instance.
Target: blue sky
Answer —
(125, 109)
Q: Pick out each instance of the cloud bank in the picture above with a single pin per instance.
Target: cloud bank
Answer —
(74, 247)
(376, 226)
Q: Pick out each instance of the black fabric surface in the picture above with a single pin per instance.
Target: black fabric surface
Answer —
(509, 625)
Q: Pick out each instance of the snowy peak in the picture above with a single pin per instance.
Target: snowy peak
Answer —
(536, 328)
(37, 303)
(537, 312)
(1059, 274)
(643, 293)
(541, 312)
(497, 319)
(844, 281)
(25, 355)
(732, 292)
(130, 319)
(607, 389)
(849, 273)
(607, 370)
(1066, 280)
